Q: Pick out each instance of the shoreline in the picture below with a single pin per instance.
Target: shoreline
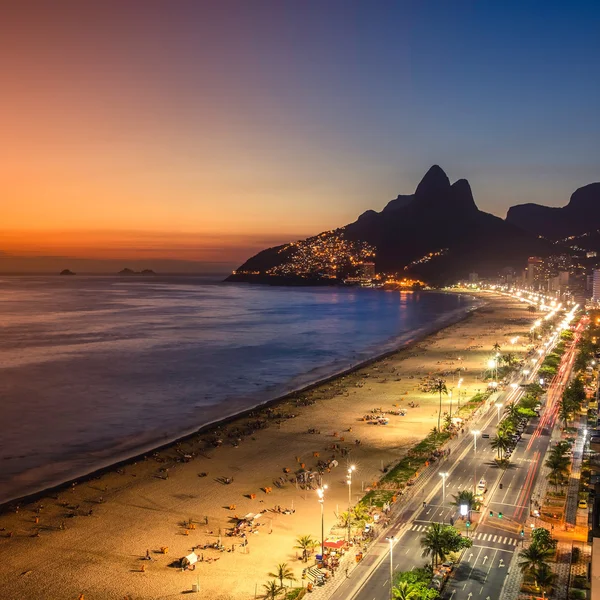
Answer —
(142, 452)
(95, 536)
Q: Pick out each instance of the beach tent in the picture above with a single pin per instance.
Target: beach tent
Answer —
(335, 545)
(252, 517)
(189, 560)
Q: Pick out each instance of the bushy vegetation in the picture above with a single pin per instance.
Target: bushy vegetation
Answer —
(414, 585)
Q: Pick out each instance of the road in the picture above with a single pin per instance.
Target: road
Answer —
(483, 568)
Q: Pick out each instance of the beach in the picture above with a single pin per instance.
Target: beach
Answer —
(91, 539)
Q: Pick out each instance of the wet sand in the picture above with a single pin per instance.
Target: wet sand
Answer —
(146, 505)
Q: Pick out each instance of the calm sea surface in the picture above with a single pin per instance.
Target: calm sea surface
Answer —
(93, 369)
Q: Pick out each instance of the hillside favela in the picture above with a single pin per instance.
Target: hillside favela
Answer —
(300, 300)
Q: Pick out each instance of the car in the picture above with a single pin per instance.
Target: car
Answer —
(582, 504)
(485, 435)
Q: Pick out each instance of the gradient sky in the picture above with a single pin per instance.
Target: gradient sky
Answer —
(204, 130)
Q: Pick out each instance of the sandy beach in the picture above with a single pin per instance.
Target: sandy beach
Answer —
(92, 539)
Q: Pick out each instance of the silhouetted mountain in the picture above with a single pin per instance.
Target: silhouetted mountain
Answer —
(437, 233)
(580, 215)
(67, 272)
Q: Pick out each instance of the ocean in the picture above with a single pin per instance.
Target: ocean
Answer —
(97, 369)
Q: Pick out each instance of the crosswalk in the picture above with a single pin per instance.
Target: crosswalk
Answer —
(481, 537)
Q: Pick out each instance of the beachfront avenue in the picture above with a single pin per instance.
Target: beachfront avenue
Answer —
(505, 519)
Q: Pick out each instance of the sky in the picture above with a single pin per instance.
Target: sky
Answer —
(191, 134)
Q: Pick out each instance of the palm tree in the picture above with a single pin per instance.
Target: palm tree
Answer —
(533, 559)
(496, 347)
(509, 359)
(359, 514)
(501, 443)
(434, 543)
(447, 422)
(564, 412)
(544, 578)
(306, 544)
(439, 387)
(272, 590)
(558, 465)
(466, 497)
(405, 591)
(283, 572)
(511, 411)
(506, 427)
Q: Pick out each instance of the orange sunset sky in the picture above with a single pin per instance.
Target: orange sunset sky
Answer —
(189, 135)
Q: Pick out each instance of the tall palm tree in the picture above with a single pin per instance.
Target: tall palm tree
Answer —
(439, 387)
(564, 412)
(496, 347)
(533, 559)
(306, 544)
(405, 591)
(558, 465)
(501, 443)
(272, 590)
(466, 497)
(434, 543)
(511, 411)
(544, 578)
(283, 572)
(509, 359)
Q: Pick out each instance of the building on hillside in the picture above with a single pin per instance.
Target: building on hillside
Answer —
(534, 272)
(596, 286)
(366, 271)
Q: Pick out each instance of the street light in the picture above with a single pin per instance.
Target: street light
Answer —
(475, 434)
(321, 495)
(391, 540)
(498, 406)
(349, 481)
(443, 476)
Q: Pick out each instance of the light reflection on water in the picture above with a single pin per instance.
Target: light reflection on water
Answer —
(95, 368)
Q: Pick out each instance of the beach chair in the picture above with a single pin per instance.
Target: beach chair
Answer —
(316, 454)
(252, 496)
(232, 507)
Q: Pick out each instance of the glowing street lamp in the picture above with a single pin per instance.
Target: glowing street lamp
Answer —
(349, 482)
(321, 495)
(498, 406)
(475, 434)
(391, 540)
(443, 476)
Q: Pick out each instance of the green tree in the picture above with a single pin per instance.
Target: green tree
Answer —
(501, 443)
(541, 537)
(496, 348)
(558, 465)
(439, 387)
(405, 591)
(466, 497)
(272, 590)
(283, 572)
(532, 308)
(417, 581)
(305, 543)
(511, 411)
(532, 559)
(440, 539)
(544, 578)
(509, 359)
(434, 543)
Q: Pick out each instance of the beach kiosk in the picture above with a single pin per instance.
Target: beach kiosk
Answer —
(189, 561)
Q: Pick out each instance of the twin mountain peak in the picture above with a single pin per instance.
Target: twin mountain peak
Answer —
(442, 219)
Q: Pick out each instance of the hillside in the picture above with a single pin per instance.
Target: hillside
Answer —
(437, 234)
